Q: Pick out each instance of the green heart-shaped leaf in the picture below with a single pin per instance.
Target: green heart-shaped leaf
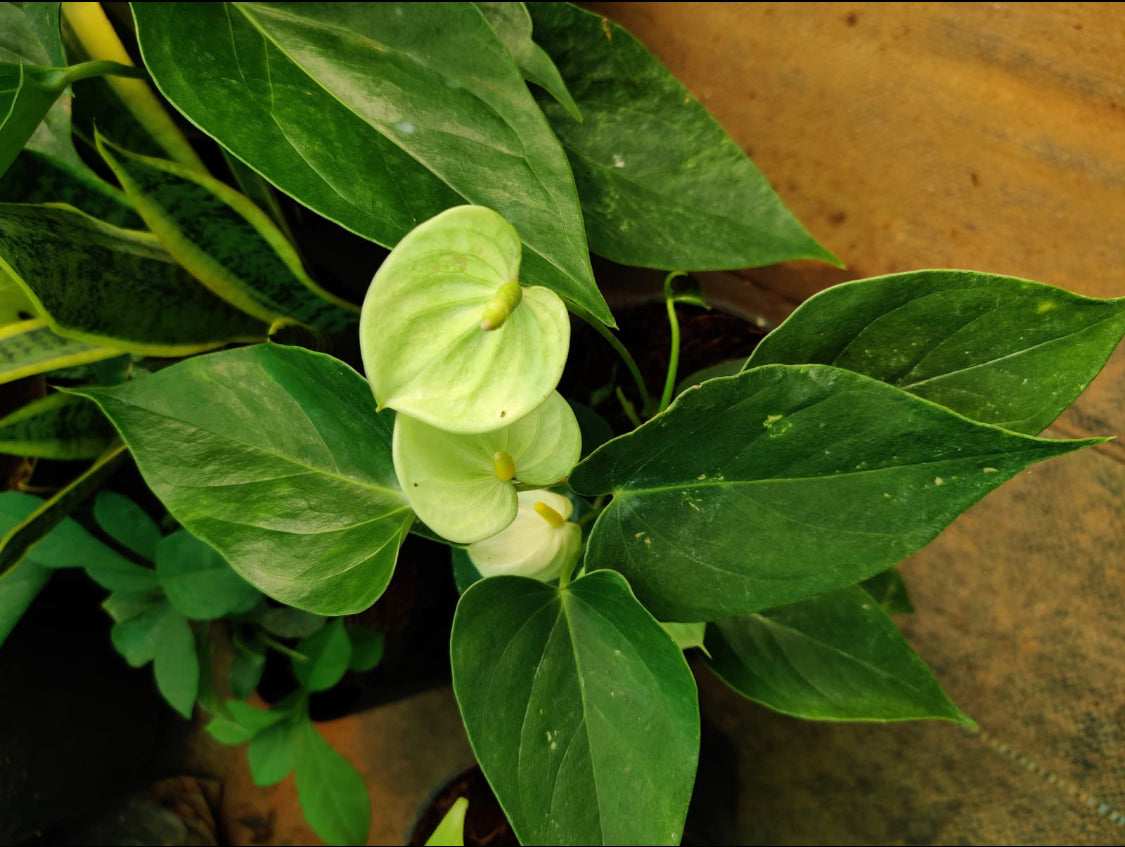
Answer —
(425, 348)
(451, 479)
(581, 710)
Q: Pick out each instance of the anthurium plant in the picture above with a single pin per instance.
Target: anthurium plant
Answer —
(159, 209)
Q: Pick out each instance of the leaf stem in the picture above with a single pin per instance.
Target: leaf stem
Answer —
(614, 342)
(674, 354)
(627, 407)
(270, 641)
(101, 67)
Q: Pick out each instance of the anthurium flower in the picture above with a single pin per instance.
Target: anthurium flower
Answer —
(449, 336)
(539, 543)
(463, 485)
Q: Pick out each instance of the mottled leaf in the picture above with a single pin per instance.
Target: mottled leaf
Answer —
(58, 426)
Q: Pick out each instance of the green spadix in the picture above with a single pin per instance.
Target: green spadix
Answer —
(452, 480)
(448, 335)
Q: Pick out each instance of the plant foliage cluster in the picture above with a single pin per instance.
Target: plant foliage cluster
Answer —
(756, 515)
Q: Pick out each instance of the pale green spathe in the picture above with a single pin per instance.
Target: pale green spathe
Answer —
(424, 350)
(450, 478)
(529, 546)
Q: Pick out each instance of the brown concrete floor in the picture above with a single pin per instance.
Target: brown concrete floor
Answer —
(972, 135)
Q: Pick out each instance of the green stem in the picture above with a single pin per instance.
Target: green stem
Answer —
(627, 407)
(101, 67)
(673, 356)
(283, 648)
(606, 333)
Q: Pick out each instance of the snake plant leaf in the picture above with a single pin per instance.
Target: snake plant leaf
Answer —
(58, 426)
(512, 23)
(452, 479)
(102, 285)
(15, 305)
(38, 178)
(377, 116)
(16, 543)
(580, 709)
(225, 241)
(31, 347)
(784, 482)
(275, 457)
(661, 183)
(198, 582)
(835, 657)
(996, 349)
(425, 349)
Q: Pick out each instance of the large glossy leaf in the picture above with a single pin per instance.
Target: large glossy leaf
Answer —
(103, 285)
(126, 522)
(997, 349)
(43, 20)
(662, 185)
(581, 710)
(57, 426)
(377, 116)
(31, 347)
(785, 482)
(448, 334)
(837, 656)
(225, 241)
(275, 457)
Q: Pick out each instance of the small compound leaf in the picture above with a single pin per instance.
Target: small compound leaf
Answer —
(836, 657)
(17, 591)
(247, 449)
(996, 349)
(785, 482)
(425, 348)
(287, 622)
(273, 753)
(367, 648)
(126, 522)
(328, 653)
(330, 790)
(198, 581)
(17, 541)
(581, 710)
(175, 663)
(246, 669)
